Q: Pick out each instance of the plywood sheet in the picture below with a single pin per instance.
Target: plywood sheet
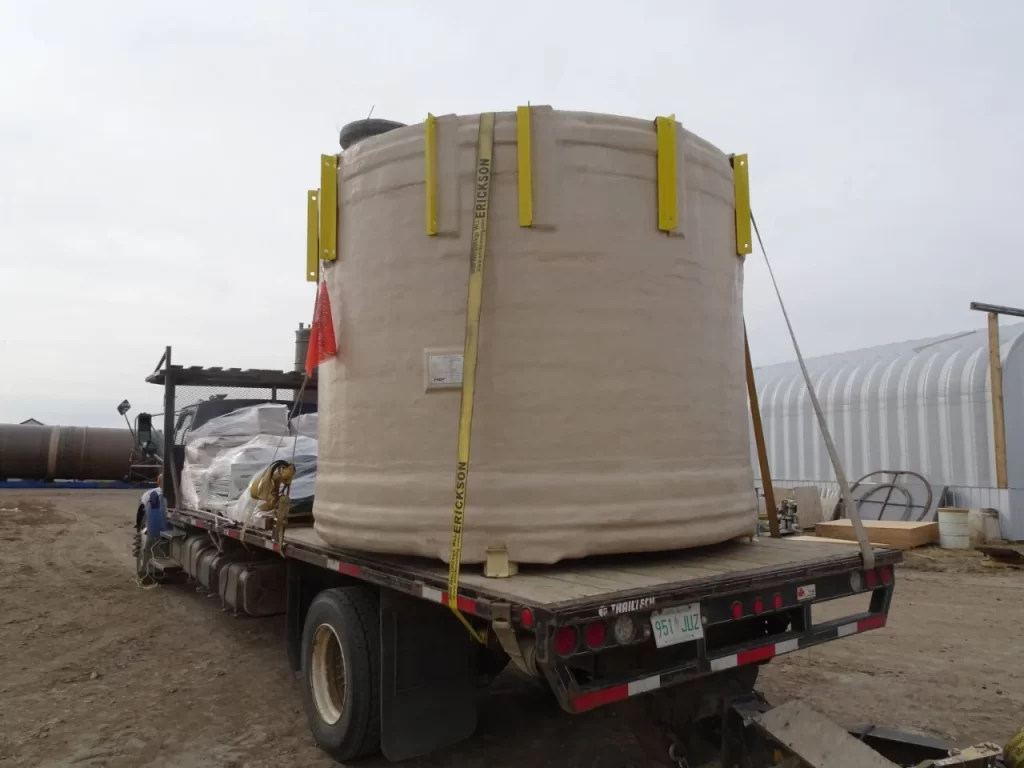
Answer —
(812, 537)
(594, 577)
(815, 739)
(887, 533)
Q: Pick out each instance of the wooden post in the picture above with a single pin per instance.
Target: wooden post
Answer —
(170, 483)
(762, 452)
(998, 424)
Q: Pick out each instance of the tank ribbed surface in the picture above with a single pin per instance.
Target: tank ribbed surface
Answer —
(610, 403)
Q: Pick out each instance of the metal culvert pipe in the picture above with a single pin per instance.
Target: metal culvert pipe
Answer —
(64, 453)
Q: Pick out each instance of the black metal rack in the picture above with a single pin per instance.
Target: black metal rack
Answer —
(170, 377)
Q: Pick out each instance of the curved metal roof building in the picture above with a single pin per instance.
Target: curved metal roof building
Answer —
(922, 405)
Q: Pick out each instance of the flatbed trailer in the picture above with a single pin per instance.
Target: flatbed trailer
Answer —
(593, 630)
(386, 665)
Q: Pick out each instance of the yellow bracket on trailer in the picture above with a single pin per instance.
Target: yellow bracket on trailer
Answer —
(668, 211)
(328, 207)
(430, 171)
(474, 299)
(312, 235)
(741, 185)
(524, 159)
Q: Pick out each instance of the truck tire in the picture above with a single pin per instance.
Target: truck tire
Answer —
(341, 671)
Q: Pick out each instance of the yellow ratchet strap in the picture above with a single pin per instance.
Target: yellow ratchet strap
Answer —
(481, 208)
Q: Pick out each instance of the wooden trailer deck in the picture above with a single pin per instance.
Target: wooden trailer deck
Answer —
(710, 570)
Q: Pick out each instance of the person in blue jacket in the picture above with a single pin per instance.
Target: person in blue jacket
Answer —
(150, 520)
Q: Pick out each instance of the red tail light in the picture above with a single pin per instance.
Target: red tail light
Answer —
(595, 635)
(526, 618)
(737, 610)
(887, 575)
(777, 602)
(565, 641)
(758, 605)
(871, 579)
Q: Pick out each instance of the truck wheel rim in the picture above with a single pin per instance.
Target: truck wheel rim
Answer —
(327, 674)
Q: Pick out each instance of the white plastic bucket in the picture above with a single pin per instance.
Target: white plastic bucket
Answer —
(954, 532)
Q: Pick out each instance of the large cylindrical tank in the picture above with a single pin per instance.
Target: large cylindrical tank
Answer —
(611, 411)
(64, 453)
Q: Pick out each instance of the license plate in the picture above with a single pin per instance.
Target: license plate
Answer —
(677, 625)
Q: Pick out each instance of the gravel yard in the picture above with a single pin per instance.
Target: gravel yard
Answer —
(97, 671)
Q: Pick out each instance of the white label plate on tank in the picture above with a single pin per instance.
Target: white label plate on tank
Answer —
(444, 369)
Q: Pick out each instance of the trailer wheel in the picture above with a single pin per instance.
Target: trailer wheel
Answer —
(341, 671)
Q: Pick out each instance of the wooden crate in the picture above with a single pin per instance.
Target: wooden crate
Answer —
(883, 533)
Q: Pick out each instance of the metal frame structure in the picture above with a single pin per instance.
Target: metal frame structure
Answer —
(170, 377)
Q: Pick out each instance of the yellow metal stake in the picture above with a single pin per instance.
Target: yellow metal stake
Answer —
(741, 190)
(998, 422)
(430, 171)
(328, 207)
(524, 158)
(668, 212)
(312, 235)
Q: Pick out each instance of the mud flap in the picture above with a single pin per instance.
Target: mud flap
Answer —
(428, 685)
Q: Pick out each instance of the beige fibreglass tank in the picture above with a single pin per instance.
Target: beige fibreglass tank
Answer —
(610, 410)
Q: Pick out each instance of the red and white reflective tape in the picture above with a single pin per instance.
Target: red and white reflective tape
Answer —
(766, 652)
(763, 653)
(271, 545)
(875, 622)
(437, 596)
(616, 693)
(594, 699)
(231, 533)
(340, 567)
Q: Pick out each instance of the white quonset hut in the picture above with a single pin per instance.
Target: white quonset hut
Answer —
(921, 405)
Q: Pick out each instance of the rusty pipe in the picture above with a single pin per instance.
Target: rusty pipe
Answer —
(64, 453)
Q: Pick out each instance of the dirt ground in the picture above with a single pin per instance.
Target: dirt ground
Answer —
(97, 671)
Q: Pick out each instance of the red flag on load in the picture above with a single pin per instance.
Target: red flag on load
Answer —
(322, 343)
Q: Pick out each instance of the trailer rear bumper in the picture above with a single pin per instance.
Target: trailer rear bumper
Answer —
(587, 698)
(581, 682)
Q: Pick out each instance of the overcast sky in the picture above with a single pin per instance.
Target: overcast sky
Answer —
(154, 158)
